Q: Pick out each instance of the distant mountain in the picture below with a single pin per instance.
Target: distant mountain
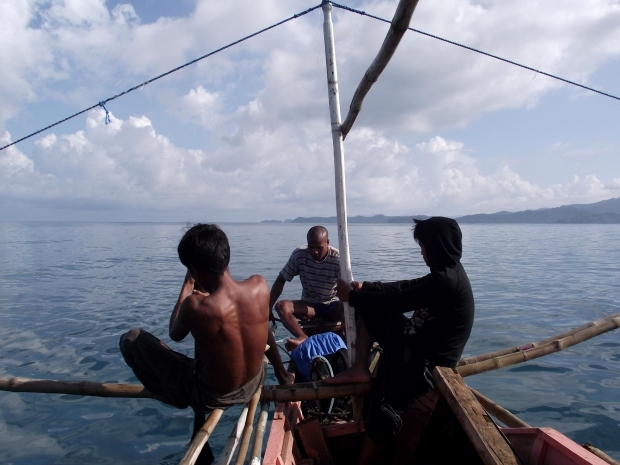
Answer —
(605, 211)
(596, 218)
(376, 219)
(406, 219)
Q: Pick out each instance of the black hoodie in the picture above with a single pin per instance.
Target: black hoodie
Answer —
(442, 301)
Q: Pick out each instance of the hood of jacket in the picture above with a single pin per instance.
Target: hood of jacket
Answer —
(442, 240)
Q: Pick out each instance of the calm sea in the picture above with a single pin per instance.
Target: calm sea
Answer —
(68, 290)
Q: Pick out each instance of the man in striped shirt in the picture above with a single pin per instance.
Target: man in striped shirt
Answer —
(318, 267)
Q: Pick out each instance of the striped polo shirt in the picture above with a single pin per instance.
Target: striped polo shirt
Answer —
(318, 279)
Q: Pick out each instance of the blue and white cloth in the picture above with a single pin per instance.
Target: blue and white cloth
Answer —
(320, 344)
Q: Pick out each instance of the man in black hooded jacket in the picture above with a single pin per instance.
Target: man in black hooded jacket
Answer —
(443, 312)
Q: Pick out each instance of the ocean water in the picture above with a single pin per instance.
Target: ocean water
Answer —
(68, 290)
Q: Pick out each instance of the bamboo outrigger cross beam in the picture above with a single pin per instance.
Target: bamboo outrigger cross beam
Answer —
(247, 430)
(233, 439)
(201, 438)
(552, 345)
(521, 348)
(257, 446)
(499, 412)
(314, 391)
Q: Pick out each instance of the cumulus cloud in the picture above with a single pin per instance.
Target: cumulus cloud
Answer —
(128, 165)
(439, 176)
(614, 184)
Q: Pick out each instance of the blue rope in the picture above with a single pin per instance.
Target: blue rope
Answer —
(363, 13)
(103, 102)
(106, 119)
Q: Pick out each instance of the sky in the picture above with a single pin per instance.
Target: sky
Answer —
(245, 134)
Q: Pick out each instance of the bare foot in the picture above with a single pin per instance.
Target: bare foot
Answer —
(352, 375)
(292, 344)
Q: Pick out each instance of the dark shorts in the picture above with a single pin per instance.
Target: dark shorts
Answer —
(402, 376)
(174, 378)
(324, 310)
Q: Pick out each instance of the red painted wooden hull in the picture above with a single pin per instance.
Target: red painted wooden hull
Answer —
(546, 446)
(535, 446)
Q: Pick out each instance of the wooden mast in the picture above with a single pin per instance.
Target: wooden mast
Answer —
(341, 199)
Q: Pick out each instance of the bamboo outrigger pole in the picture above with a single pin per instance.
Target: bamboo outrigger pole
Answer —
(531, 345)
(554, 345)
(499, 412)
(341, 197)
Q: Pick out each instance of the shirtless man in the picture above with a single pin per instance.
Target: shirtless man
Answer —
(318, 267)
(229, 322)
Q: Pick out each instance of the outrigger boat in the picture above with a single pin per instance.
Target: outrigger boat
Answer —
(453, 423)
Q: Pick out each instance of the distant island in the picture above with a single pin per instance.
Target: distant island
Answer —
(376, 219)
(603, 212)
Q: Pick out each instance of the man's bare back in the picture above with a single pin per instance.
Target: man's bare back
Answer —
(229, 325)
(229, 322)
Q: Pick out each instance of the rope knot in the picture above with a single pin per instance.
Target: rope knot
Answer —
(106, 119)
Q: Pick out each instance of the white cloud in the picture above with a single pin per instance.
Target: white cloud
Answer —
(614, 184)
(128, 165)
(13, 163)
(438, 176)
(201, 106)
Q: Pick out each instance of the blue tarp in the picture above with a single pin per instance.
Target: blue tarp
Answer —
(319, 344)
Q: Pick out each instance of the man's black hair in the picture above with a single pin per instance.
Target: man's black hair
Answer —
(205, 247)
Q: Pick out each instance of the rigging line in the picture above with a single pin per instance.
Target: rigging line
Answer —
(363, 13)
(103, 102)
